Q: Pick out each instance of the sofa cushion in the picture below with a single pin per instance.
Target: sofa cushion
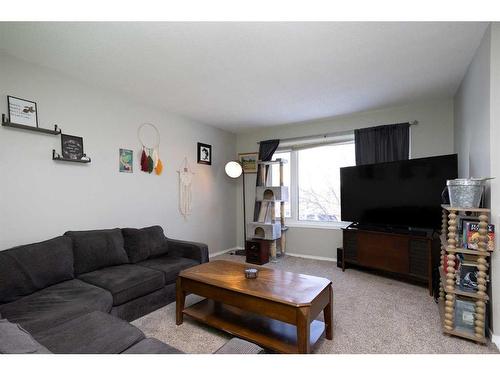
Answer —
(157, 241)
(15, 340)
(125, 282)
(95, 249)
(136, 244)
(151, 346)
(141, 306)
(144, 243)
(28, 268)
(169, 265)
(93, 333)
(56, 304)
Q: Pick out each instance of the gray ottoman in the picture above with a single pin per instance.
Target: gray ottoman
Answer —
(239, 346)
(151, 346)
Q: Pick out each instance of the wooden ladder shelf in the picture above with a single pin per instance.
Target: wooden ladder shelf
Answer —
(448, 290)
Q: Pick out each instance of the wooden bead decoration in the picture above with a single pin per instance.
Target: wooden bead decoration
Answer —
(483, 232)
(479, 319)
(452, 229)
(482, 262)
(448, 290)
(450, 272)
(449, 311)
(444, 226)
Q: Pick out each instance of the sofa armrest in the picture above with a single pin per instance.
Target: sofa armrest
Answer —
(186, 249)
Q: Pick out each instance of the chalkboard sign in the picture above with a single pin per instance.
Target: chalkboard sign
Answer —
(72, 147)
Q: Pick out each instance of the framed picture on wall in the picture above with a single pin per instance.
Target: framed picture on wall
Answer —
(126, 160)
(22, 111)
(248, 161)
(204, 154)
(72, 147)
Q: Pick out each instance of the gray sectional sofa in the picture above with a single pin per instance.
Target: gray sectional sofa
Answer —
(74, 293)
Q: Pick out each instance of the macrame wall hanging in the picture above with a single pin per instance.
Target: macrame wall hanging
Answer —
(185, 194)
(150, 153)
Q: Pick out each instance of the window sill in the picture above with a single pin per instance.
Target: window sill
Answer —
(314, 225)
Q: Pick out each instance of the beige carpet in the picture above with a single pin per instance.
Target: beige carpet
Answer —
(372, 314)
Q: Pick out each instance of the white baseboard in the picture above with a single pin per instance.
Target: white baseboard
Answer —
(495, 339)
(211, 255)
(311, 257)
(289, 254)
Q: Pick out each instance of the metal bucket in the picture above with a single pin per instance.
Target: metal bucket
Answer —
(465, 193)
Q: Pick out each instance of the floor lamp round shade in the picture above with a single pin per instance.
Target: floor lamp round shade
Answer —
(233, 169)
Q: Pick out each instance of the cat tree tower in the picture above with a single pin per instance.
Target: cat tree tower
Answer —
(267, 234)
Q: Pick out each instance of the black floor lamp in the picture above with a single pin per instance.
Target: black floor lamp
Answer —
(234, 170)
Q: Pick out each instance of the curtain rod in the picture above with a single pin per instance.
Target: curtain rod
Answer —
(334, 134)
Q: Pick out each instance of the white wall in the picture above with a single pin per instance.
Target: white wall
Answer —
(41, 198)
(472, 115)
(495, 171)
(432, 136)
(477, 134)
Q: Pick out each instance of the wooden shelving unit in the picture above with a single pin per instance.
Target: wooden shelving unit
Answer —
(448, 290)
(8, 124)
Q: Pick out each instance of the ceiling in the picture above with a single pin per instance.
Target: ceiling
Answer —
(238, 76)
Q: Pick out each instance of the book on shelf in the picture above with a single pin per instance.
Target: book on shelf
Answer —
(462, 218)
(466, 274)
(466, 225)
(465, 310)
(471, 236)
(461, 224)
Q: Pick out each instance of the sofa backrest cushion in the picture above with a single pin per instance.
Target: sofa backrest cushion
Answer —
(95, 249)
(144, 243)
(28, 268)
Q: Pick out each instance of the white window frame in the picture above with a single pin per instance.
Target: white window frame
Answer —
(294, 221)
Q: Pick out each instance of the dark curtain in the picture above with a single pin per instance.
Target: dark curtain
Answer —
(266, 152)
(382, 143)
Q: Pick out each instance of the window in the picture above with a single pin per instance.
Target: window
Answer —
(313, 177)
(319, 181)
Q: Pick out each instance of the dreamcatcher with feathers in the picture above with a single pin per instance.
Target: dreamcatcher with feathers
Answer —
(150, 153)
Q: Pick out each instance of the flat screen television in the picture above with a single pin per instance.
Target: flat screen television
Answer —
(402, 194)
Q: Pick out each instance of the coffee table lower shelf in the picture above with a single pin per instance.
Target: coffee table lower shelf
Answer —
(266, 332)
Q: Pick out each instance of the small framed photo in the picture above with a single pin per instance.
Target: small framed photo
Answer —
(248, 161)
(204, 154)
(72, 147)
(22, 111)
(126, 160)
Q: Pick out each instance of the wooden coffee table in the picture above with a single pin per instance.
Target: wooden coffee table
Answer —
(276, 310)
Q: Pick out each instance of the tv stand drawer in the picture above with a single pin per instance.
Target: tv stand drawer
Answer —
(384, 252)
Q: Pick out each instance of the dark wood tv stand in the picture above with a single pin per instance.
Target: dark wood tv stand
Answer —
(407, 256)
